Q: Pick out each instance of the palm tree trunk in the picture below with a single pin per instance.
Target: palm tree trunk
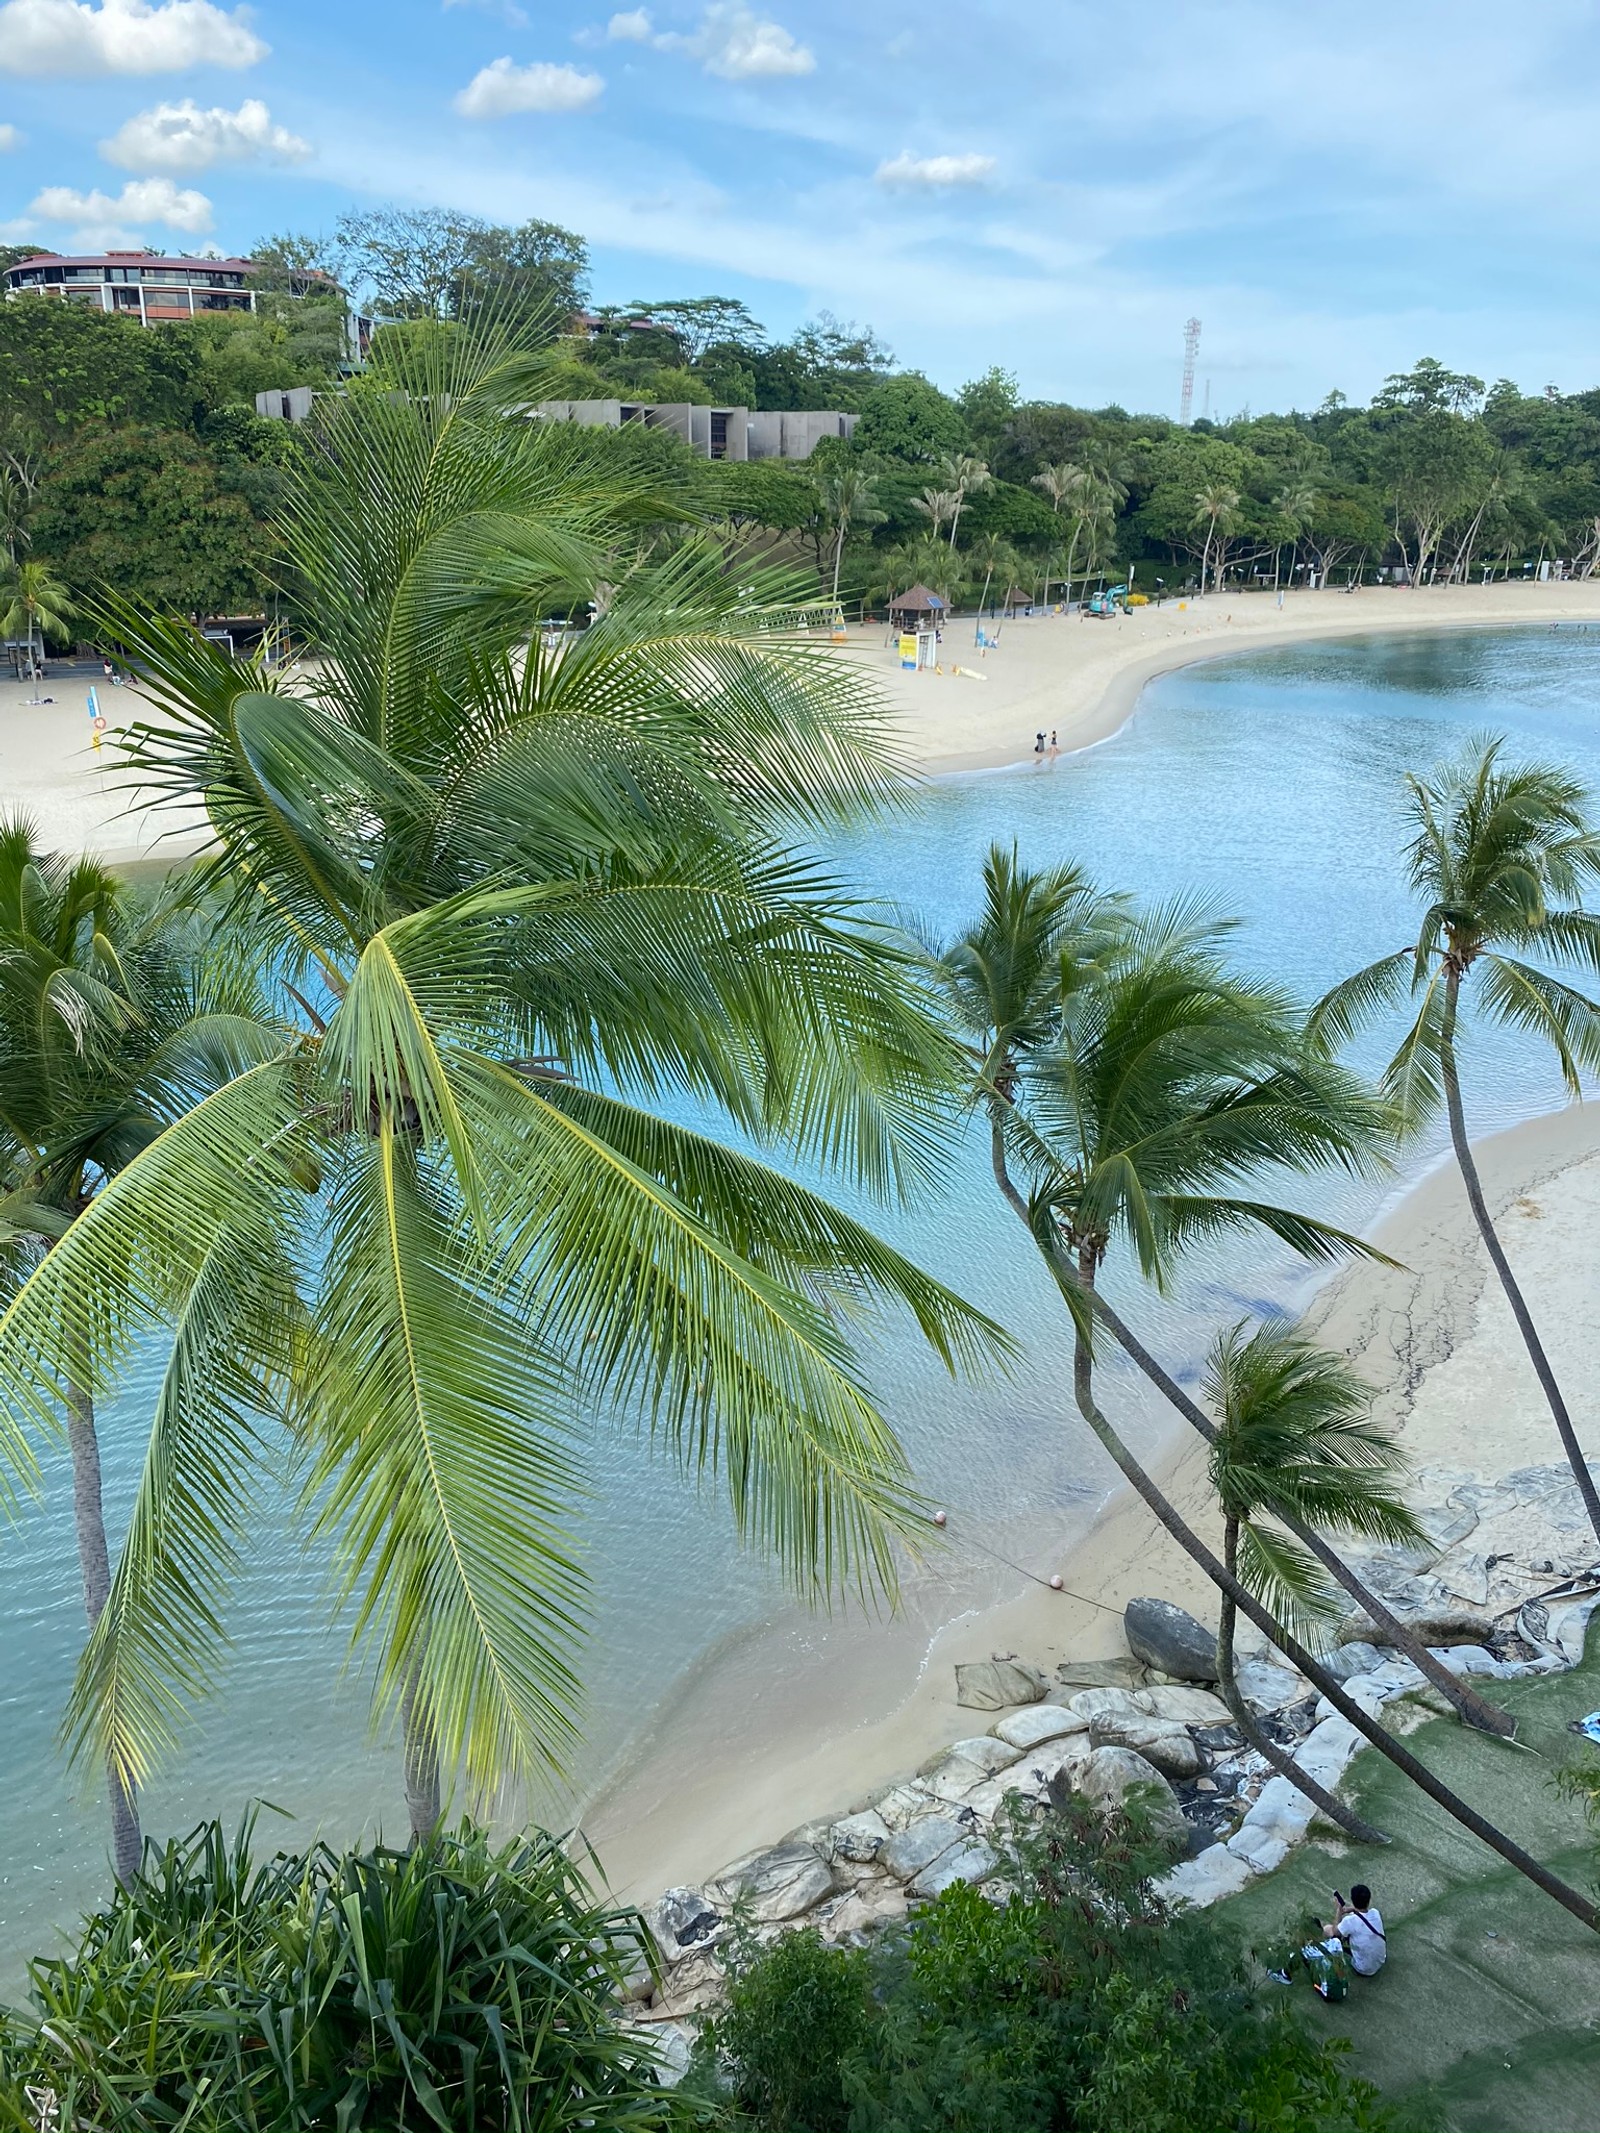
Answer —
(838, 560)
(1470, 1707)
(94, 1563)
(1244, 1718)
(1473, 1709)
(421, 1762)
(1498, 1259)
(1172, 1523)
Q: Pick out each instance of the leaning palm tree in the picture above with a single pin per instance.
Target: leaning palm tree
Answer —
(525, 901)
(1292, 508)
(1500, 857)
(1216, 507)
(1065, 483)
(34, 604)
(961, 474)
(1169, 1084)
(112, 1021)
(939, 506)
(1041, 937)
(849, 498)
(1295, 1443)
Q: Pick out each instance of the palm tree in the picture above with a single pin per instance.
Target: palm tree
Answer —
(1292, 507)
(33, 602)
(522, 897)
(940, 505)
(1216, 507)
(998, 558)
(961, 474)
(849, 498)
(1040, 937)
(1167, 1082)
(109, 1026)
(1294, 1443)
(1064, 483)
(1499, 857)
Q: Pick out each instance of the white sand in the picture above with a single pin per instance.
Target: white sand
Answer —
(1081, 676)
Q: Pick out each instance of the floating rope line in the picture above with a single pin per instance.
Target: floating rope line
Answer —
(1053, 1583)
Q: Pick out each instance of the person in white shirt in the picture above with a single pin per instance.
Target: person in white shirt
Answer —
(1360, 1927)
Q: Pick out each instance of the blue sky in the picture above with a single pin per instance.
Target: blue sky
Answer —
(1333, 194)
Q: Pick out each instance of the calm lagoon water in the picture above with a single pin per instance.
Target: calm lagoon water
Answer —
(1270, 784)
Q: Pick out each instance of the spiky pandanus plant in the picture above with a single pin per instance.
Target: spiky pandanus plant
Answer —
(1500, 856)
(525, 899)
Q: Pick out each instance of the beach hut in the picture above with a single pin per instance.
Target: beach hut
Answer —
(910, 608)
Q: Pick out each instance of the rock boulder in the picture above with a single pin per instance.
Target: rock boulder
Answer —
(1111, 1773)
(1158, 1740)
(915, 1849)
(684, 1921)
(1171, 1641)
(776, 1884)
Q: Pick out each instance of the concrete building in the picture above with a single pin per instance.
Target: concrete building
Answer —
(712, 432)
(158, 291)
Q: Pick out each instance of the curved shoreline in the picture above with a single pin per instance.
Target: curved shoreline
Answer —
(1083, 678)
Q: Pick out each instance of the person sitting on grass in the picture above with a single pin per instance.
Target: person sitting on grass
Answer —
(1360, 1927)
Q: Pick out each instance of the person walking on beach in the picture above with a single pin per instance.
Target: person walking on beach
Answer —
(1055, 746)
(1360, 1926)
(1038, 748)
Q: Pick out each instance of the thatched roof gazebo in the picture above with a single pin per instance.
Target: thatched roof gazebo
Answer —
(920, 600)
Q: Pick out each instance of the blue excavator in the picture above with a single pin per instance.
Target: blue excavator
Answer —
(1110, 600)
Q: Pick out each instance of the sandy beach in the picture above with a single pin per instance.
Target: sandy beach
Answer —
(1077, 677)
(1080, 677)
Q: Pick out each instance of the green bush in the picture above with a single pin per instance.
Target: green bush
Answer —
(456, 1986)
(1081, 2004)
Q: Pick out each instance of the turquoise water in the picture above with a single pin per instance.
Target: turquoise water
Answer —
(1270, 783)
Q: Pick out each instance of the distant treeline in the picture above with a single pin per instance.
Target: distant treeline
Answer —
(134, 456)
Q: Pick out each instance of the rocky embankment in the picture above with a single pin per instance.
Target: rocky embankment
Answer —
(1504, 1587)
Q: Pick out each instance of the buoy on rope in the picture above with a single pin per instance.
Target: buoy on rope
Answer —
(1055, 1582)
(938, 1518)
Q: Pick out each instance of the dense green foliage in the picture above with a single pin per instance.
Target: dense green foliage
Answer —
(1079, 2004)
(455, 1986)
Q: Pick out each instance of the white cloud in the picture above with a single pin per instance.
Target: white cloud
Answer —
(100, 220)
(929, 171)
(741, 46)
(635, 27)
(182, 137)
(10, 137)
(75, 38)
(501, 89)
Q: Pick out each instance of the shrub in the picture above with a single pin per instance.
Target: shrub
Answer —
(455, 1986)
(1079, 2004)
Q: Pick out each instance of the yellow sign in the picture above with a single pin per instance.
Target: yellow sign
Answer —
(908, 650)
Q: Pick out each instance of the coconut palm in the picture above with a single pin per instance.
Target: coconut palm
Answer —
(524, 898)
(1500, 856)
(16, 507)
(940, 506)
(34, 603)
(1294, 1444)
(111, 1023)
(1169, 1081)
(849, 498)
(1041, 935)
(961, 474)
(1292, 508)
(1065, 483)
(994, 554)
(1216, 507)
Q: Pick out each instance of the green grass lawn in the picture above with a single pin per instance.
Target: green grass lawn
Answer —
(1488, 2010)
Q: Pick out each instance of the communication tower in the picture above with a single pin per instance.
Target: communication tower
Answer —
(1191, 349)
